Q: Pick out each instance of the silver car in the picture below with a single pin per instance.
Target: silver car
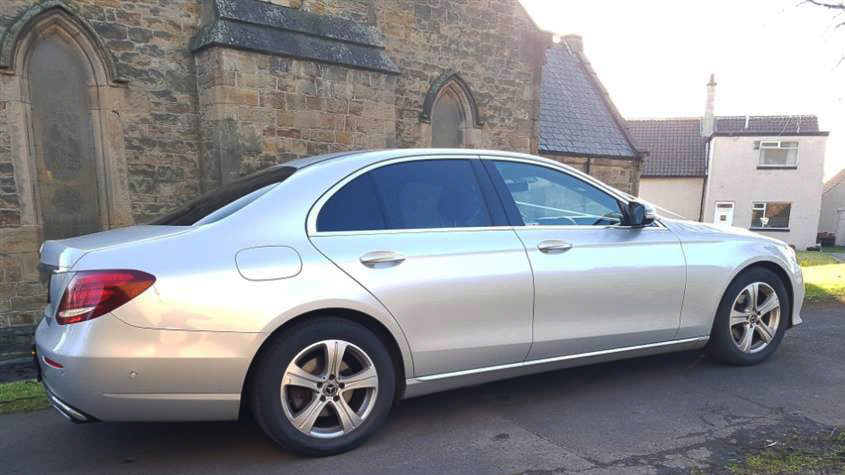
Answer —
(317, 293)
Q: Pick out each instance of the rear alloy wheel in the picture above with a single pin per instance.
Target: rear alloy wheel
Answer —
(751, 319)
(322, 387)
(329, 389)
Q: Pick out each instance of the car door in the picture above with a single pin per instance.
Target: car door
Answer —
(599, 285)
(421, 236)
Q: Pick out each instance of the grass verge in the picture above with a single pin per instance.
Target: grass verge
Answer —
(812, 258)
(820, 454)
(22, 396)
(825, 282)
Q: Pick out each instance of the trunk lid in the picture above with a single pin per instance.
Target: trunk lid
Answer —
(59, 256)
(63, 254)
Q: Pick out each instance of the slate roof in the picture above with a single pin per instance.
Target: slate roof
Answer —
(260, 26)
(576, 116)
(676, 147)
(767, 124)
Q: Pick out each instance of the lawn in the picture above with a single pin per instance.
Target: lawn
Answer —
(810, 258)
(22, 396)
(824, 276)
(825, 282)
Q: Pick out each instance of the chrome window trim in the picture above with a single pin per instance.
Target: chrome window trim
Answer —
(555, 359)
(314, 212)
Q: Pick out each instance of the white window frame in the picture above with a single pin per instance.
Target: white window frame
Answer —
(765, 207)
(776, 145)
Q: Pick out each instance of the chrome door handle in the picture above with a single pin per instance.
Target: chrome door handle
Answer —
(373, 259)
(553, 246)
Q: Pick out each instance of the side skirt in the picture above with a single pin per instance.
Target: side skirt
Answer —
(444, 381)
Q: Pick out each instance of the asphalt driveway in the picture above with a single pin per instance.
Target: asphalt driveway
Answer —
(660, 414)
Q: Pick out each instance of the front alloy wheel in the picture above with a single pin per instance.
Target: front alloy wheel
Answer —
(751, 319)
(755, 317)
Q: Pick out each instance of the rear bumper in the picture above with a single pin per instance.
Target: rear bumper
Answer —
(112, 371)
(73, 414)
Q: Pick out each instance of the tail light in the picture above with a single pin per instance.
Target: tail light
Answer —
(94, 293)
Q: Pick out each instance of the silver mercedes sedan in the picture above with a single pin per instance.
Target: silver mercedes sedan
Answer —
(317, 293)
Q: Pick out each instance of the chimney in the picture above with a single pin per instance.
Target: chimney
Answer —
(574, 42)
(708, 123)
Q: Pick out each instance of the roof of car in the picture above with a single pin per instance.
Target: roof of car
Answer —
(377, 155)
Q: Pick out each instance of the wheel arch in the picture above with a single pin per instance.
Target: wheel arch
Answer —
(367, 321)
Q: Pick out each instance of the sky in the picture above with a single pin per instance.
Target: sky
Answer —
(769, 57)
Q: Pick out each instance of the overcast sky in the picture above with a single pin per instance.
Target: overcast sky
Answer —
(769, 57)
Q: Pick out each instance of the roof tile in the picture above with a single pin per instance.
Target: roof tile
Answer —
(574, 119)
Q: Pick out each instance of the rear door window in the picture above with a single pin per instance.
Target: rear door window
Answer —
(354, 207)
(431, 194)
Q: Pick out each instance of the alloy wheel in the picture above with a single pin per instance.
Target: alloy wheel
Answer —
(755, 316)
(329, 389)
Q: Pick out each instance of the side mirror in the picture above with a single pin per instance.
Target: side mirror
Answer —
(640, 214)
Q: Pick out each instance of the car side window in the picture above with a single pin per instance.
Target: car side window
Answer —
(431, 194)
(355, 207)
(547, 197)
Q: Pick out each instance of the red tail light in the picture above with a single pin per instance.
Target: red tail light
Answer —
(94, 293)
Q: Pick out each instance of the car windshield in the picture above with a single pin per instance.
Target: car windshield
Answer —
(227, 199)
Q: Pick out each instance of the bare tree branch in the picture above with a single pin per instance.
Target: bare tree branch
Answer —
(831, 5)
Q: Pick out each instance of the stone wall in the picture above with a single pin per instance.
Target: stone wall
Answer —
(491, 44)
(258, 110)
(620, 174)
(176, 122)
(149, 127)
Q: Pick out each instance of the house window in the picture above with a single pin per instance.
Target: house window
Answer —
(777, 153)
(770, 215)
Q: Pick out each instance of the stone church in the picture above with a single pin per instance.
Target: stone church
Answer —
(114, 111)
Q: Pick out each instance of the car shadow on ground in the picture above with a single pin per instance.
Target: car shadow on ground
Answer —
(410, 419)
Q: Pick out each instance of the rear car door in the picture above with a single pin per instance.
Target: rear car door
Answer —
(599, 284)
(429, 239)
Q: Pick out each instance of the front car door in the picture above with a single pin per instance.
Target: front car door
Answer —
(599, 285)
(421, 235)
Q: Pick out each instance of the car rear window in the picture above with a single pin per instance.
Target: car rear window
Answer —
(227, 199)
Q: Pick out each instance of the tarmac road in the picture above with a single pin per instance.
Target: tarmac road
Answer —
(659, 414)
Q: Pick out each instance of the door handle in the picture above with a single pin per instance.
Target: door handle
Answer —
(373, 259)
(554, 246)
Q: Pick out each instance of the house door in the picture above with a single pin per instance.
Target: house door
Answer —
(724, 214)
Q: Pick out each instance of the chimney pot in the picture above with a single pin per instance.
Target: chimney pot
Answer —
(708, 123)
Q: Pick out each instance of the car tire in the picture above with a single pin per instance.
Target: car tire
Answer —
(347, 415)
(729, 341)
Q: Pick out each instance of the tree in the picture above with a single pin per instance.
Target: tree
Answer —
(836, 6)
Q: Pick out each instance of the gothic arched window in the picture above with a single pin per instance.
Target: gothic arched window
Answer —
(448, 121)
(60, 80)
(451, 109)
